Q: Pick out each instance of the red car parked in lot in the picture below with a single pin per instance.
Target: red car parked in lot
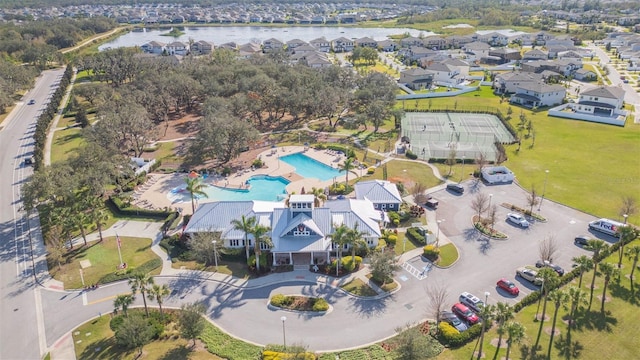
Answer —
(508, 286)
(465, 314)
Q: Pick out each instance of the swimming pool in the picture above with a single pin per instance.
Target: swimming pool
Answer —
(310, 168)
(261, 187)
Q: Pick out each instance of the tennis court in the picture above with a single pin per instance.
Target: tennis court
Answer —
(435, 135)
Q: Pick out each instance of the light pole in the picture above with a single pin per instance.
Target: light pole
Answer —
(215, 253)
(484, 323)
(544, 188)
(462, 174)
(490, 200)
(438, 233)
(284, 335)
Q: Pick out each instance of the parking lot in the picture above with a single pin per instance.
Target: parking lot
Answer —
(482, 261)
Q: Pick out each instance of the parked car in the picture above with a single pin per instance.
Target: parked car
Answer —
(31, 102)
(581, 240)
(547, 263)
(530, 275)
(465, 314)
(518, 220)
(432, 203)
(471, 301)
(28, 160)
(453, 320)
(456, 188)
(508, 286)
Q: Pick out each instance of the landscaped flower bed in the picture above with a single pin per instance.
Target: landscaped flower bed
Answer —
(299, 302)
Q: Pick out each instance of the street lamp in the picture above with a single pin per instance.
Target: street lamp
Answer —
(284, 335)
(438, 233)
(484, 324)
(544, 188)
(462, 174)
(215, 253)
(490, 199)
(621, 248)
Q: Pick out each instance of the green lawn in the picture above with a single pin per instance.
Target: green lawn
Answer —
(103, 258)
(591, 166)
(594, 331)
(64, 144)
(408, 172)
(448, 255)
(359, 288)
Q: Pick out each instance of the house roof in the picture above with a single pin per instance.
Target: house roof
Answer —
(413, 72)
(610, 92)
(536, 52)
(477, 45)
(584, 71)
(217, 216)
(440, 67)
(519, 76)
(378, 191)
(540, 87)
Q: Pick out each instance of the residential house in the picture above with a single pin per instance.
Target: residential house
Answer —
(342, 44)
(366, 42)
(458, 42)
(461, 67)
(272, 44)
(322, 44)
(387, 45)
(153, 47)
(535, 54)
(502, 56)
(294, 43)
(177, 48)
(411, 41)
(585, 75)
(416, 78)
(565, 67)
(301, 233)
(416, 53)
(508, 82)
(303, 49)
(249, 50)
(601, 101)
(443, 72)
(202, 47)
(477, 49)
(493, 38)
(538, 94)
(435, 43)
(383, 194)
(316, 59)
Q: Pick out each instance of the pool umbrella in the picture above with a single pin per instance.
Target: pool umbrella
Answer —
(193, 175)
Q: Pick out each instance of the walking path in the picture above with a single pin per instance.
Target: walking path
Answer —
(54, 124)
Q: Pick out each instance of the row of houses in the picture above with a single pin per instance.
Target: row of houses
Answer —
(301, 229)
(627, 47)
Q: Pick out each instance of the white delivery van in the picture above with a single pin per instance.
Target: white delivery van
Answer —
(606, 226)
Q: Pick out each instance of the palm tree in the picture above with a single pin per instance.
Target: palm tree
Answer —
(504, 312)
(487, 313)
(626, 234)
(123, 301)
(346, 167)
(577, 297)
(597, 246)
(195, 187)
(320, 196)
(158, 293)
(633, 254)
(609, 271)
(339, 239)
(99, 217)
(259, 232)
(583, 263)
(355, 239)
(549, 281)
(558, 298)
(141, 282)
(246, 225)
(516, 332)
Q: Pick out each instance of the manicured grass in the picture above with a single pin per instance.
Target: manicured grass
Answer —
(404, 242)
(104, 259)
(65, 142)
(591, 166)
(612, 333)
(359, 288)
(448, 255)
(234, 268)
(95, 340)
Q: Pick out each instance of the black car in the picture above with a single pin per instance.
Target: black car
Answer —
(546, 263)
(28, 161)
(456, 188)
(581, 240)
(453, 320)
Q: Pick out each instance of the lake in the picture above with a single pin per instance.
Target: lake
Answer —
(244, 34)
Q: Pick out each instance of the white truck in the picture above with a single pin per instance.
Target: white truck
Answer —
(606, 226)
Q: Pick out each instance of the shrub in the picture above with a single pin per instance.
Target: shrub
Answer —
(409, 154)
(527, 300)
(257, 163)
(431, 252)
(415, 236)
(287, 354)
(348, 265)
(278, 300)
(394, 217)
(115, 322)
(145, 268)
(451, 339)
(392, 239)
(446, 330)
(320, 305)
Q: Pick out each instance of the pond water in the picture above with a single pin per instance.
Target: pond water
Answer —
(244, 34)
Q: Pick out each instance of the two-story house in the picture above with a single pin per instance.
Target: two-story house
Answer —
(322, 44)
(602, 101)
(366, 42)
(416, 78)
(538, 94)
(508, 82)
(153, 47)
(342, 44)
(202, 47)
(271, 45)
(177, 48)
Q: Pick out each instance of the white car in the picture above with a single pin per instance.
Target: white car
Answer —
(530, 275)
(518, 220)
(472, 302)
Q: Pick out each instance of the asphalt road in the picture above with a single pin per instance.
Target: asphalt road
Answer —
(20, 308)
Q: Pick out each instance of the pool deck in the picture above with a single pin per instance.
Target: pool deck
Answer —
(154, 193)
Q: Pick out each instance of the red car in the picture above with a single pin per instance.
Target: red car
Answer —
(465, 314)
(508, 286)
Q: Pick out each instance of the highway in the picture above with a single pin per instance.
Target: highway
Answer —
(22, 331)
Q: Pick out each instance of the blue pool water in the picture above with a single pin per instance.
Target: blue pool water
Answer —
(310, 168)
(261, 187)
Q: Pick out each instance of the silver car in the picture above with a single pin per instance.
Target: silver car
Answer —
(518, 220)
(453, 320)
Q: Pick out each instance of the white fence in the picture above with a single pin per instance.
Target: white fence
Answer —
(557, 112)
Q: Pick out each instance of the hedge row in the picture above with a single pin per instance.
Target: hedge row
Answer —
(273, 355)
(450, 337)
(124, 209)
(129, 272)
(413, 234)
